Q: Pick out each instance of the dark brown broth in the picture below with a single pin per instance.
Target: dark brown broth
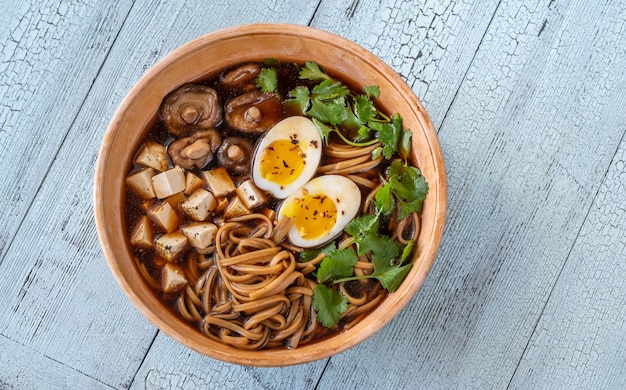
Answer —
(135, 206)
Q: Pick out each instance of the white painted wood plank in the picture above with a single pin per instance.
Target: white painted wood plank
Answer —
(169, 365)
(429, 43)
(543, 87)
(25, 369)
(50, 53)
(580, 341)
(527, 141)
(59, 298)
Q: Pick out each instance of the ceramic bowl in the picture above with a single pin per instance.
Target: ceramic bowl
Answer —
(204, 57)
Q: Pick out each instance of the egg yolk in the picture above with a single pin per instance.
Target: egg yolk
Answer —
(282, 161)
(314, 215)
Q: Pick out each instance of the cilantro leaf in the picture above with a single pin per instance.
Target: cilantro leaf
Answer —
(323, 129)
(329, 112)
(327, 101)
(267, 80)
(384, 201)
(301, 98)
(363, 224)
(363, 135)
(362, 228)
(408, 208)
(310, 254)
(329, 305)
(364, 108)
(312, 71)
(408, 249)
(408, 186)
(404, 147)
(271, 62)
(350, 120)
(393, 277)
(330, 89)
(367, 243)
(388, 268)
(384, 252)
(389, 135)
(372, 91)
(338, 263)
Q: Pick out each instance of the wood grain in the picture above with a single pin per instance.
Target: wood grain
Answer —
(50, 54)
(527, 290)
(524, 149)
(61, 300)
(579, 340)
(23, 368)
(170, 365)
(430, 43)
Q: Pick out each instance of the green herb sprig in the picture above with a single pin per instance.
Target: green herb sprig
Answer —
(333, 107)
(354, 118)
(267, 80)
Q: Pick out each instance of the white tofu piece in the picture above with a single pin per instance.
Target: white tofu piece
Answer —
(142, 233)
(170, 245)
(250, 194)
(153, 155)
(200, 234)
(199, 205)
(218, 181)
(192, 183)
(141, 183)
(169, 182)
(172, 278)
(235, 208)
(164, 216)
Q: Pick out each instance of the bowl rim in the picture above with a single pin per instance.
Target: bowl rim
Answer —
(317, 350)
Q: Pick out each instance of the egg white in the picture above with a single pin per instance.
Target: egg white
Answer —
(310, 142)
(343, 192)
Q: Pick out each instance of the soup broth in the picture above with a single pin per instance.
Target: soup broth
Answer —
(263, 253)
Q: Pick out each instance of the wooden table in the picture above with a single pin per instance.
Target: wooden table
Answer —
(529, 286)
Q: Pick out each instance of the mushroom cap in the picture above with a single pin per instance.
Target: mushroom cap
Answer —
(191, 107)
(196, 150)
(235, 153)
(242, 77)
(253, 112)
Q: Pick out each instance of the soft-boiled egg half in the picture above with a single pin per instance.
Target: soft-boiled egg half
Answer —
(320, 209)
(287, 156)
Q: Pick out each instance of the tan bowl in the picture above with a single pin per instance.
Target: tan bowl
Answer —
(204, 57)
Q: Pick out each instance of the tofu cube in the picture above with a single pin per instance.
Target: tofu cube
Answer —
(170, 245)
(222, 203)
(164, 216)
(148, 204)
(235, 208)
(169, 182)
(172, 278)
(142, 233)
(250, 194)
(200, 234)
(192, 183)
(176, 200)
(218, 181)
(153, 155)
(141, 183)
(199, 204)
